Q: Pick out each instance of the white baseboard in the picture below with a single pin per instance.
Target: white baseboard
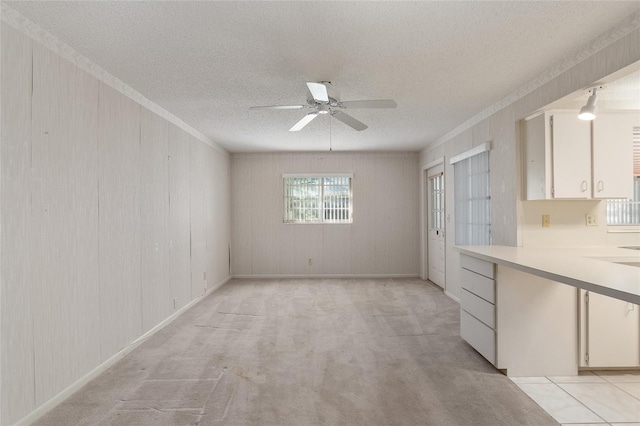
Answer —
(451, 296)
(73, 388)
(299, 276)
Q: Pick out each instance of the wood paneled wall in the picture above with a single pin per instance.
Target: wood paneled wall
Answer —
(382, 240)
(111, 218)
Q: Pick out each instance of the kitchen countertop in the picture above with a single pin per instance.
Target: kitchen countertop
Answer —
(590, 268)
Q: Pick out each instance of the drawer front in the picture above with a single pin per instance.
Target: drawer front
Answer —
(479, 308)
(479, 285)
(478, 266)
(478, 335)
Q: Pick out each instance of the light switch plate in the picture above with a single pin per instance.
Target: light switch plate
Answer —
(591, 219)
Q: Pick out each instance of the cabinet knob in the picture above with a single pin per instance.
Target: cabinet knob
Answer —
(600, 186)
(584, 186)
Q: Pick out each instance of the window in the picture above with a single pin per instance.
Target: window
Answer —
(621, 211)
(437, 201)
(318, 199)
(472, 193)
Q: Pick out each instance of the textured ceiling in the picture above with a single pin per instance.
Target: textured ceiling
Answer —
(208, 62)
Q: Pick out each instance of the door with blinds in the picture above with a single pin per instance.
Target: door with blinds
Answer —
(436, 225)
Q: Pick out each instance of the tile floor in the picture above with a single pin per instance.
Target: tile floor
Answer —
(591, 398)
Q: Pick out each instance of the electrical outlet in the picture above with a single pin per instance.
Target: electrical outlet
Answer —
(546, 220)
(591, 219)
(310, 261)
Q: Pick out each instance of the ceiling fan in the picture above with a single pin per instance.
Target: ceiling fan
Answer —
(323, 98)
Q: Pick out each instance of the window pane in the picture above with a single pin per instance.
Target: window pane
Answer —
(317, 199)
(621, 211)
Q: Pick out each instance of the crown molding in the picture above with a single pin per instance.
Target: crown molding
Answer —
(32, 30)
(624, 28)
(322, 154)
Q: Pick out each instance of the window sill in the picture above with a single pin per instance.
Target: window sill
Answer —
(623, 229)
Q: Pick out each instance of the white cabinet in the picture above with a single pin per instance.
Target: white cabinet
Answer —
(477, 306)
(565, 158)
(609, 332)
(571, 156)
(522, 324)
(557, 156)
(613, 154)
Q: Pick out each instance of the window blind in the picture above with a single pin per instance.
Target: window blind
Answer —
(472, 194)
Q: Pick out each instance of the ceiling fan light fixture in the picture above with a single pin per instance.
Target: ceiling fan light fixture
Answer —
(323, 109)
(588, 112)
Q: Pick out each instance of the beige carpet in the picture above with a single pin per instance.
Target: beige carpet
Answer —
(306, 352)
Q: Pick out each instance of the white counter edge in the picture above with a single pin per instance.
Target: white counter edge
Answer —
(589, 286)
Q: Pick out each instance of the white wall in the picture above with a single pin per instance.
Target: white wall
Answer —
(111, 217)
(501, 128)
(384, 236)
(568, 225)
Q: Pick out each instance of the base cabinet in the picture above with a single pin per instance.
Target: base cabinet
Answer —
(609, 332)
(477, 306)
(478, 335)
(523, 324)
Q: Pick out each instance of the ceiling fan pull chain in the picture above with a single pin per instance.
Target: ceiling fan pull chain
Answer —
(330, 143)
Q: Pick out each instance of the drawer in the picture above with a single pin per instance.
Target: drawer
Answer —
(478, 266)
(478, 335)
(479, 285)
(479, 308)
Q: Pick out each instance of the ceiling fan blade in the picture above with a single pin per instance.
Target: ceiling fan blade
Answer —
(379, 103)
(279, 107)
(349, 120)
(318, 91)
(305, 120)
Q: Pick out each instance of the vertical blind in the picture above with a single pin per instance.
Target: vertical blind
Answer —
(472, 193)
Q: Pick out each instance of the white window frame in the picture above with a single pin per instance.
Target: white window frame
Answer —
(323, 200)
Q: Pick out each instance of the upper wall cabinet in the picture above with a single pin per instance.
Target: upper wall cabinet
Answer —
(613, 154)
(557, 156)
(567, 158)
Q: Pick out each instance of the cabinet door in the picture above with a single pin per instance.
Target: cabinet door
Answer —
(613, 332)
(613, 154)
(571, 148)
